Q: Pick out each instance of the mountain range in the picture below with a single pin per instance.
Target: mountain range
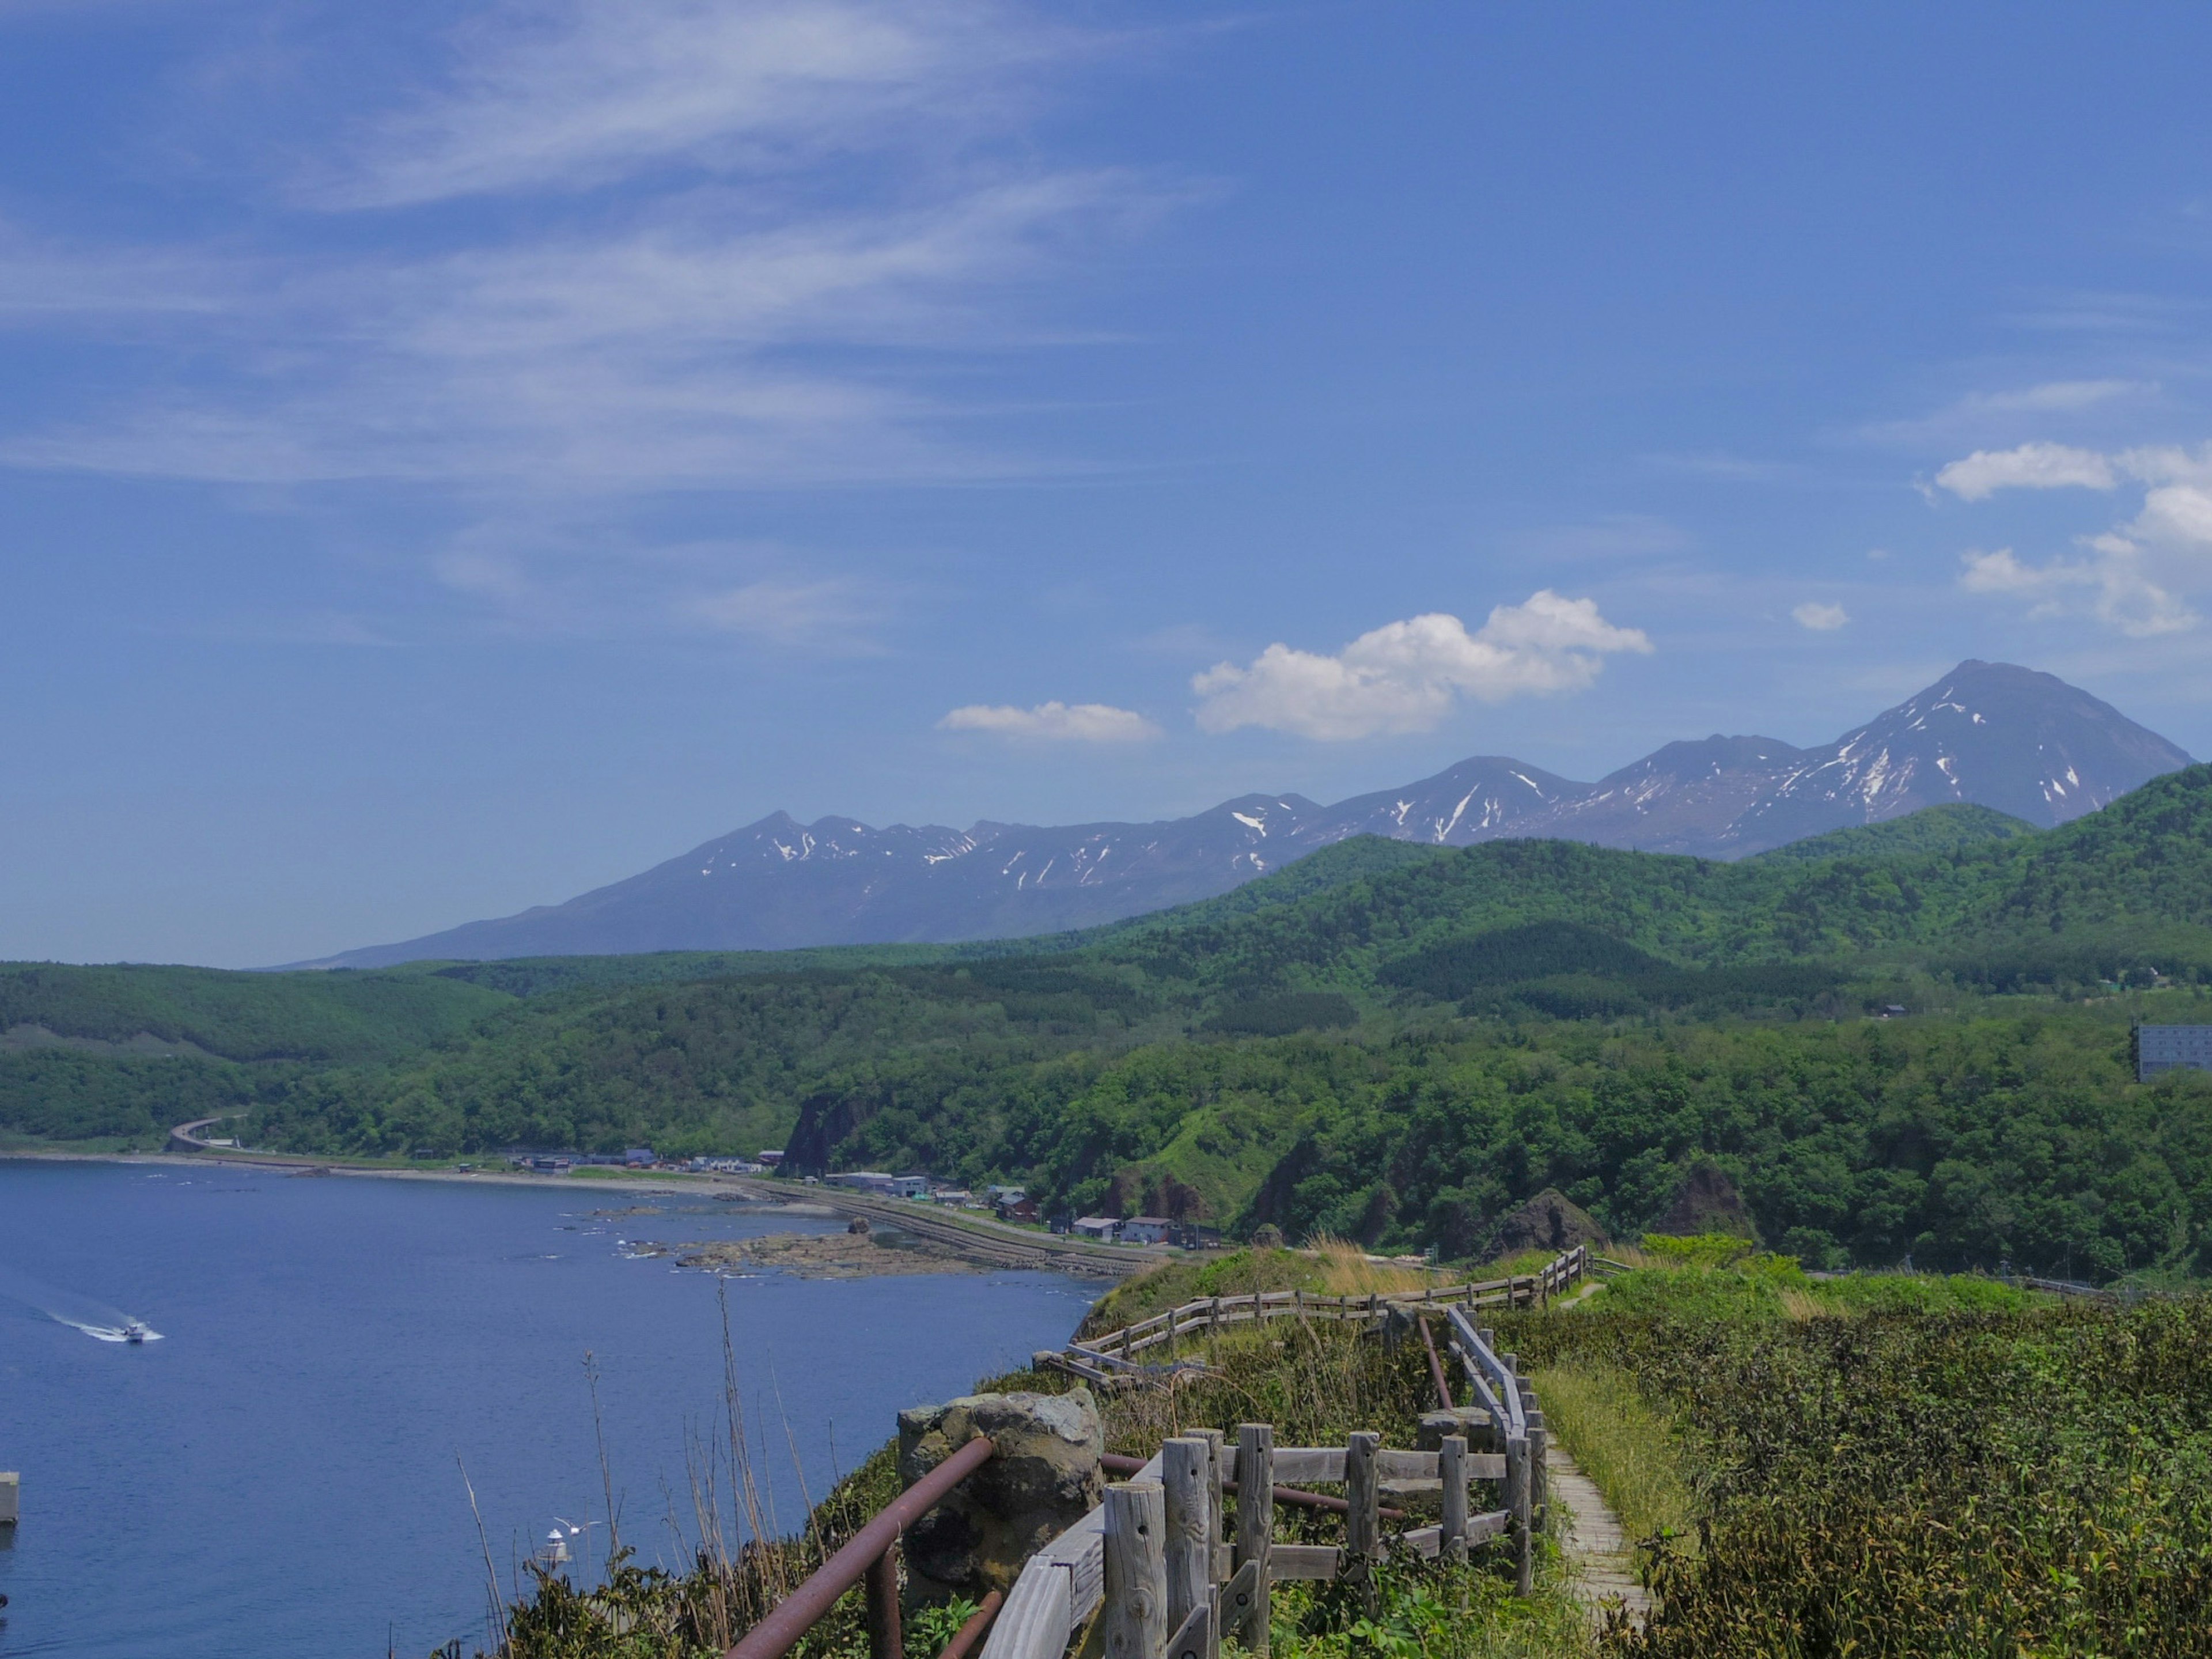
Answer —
(2023, 743)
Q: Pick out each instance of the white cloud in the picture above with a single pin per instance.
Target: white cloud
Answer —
(1819, 616)
(2031, 466)
(1053, 722)
(1404, 677)
(2112, 587)
(2136, 577)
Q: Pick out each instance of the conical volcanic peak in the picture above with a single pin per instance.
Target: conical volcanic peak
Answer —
(1988, 734)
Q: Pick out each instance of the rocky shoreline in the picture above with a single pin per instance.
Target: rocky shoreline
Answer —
(812, 1256)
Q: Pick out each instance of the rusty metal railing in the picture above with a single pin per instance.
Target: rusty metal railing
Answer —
(872, 1553)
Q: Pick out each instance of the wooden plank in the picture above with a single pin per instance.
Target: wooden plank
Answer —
(1491, 1524)
(1136, 1610)
(1295, 1466)
(1240, 1604)
(1192, 1639)
(1309, 1561)
(1037, 1617)
(1425, 1541)
(1405, 1465)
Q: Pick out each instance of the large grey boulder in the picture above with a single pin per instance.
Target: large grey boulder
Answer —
(1042, 1480)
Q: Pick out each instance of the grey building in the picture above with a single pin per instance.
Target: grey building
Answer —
(2170, 1048)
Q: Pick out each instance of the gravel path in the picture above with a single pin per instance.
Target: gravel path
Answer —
(1596, 1549)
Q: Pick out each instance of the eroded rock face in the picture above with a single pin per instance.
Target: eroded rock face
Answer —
(1550, 1221)
(1708, 1202)
(1044, 1479)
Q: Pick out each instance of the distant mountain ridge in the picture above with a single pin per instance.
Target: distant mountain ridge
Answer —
(1987, 734)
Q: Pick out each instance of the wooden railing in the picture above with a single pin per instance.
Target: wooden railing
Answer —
(1152, 1561)
(1111, 1357)
(1152, 1552)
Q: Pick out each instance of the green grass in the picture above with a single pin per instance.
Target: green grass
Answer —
(1631, 1449)
(1432, 1611)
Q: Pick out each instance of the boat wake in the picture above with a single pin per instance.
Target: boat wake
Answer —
(82, 1313)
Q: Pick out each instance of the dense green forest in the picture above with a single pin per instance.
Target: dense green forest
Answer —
(1392, 1042)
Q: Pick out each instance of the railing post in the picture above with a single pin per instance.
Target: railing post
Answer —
(1538, 1478)
(1451, 1465)
(1255, 1528)
(1135, 1620)
(1516, 1504)
(1363, 1522)
(885, 1640)
(1187, 1474)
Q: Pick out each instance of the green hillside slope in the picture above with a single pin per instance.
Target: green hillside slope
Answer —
(1399, 1044)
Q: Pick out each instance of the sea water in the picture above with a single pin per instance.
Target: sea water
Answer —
(337, 1365)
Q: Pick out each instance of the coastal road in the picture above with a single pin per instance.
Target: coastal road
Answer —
(990, 1241)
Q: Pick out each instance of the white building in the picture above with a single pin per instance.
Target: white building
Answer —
(1102, 1228)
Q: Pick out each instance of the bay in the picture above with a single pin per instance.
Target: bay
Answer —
(281, 1471)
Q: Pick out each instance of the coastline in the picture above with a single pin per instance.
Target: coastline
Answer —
(986, 1242)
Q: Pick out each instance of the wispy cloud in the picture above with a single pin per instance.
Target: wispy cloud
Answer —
(1610, 536)
(1053, 722)
(828, 213)
(1407, 675)
(1982, 415)
(838, 616)
(1821, 617)
(2111, 585)
(569, 97)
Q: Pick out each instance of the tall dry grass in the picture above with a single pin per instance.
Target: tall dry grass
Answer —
(1346, 1269)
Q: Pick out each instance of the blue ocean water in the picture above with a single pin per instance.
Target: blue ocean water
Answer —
(281, 1471)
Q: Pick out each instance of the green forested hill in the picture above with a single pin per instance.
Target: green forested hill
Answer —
(1398, 1043)
(1934, 829)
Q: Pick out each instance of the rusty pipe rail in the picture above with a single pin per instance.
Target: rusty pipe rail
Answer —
(1115, 1463)
(796, 1613)
(1435, 1365)
(966, 1639)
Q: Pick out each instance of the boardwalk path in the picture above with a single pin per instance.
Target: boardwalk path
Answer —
(1596, 1549)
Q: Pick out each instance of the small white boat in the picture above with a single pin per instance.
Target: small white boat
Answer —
(134, 1331)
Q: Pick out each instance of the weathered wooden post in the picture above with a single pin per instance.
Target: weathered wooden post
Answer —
(1539, 1485)
(1363, 1517)
(1451, 1465)
(1135, 1617)
(881, 1589)
(1255, 1528)
(1187, 1474)
(1516, 1504)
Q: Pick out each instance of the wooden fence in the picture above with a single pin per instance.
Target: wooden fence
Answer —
(1153, 1555)
(1152, 1563)
(1110, 1359)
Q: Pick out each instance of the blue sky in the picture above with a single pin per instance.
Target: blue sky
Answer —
(454, 456)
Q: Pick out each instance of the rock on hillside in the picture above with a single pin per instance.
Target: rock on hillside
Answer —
(1550, 1221)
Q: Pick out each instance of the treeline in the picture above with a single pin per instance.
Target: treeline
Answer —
(1396, 1044)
